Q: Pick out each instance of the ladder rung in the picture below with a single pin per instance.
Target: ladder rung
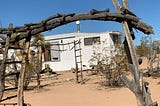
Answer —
(14, 73)
(78, 49)
(6, 104)
(11, 62)
(79, 62)
(10, 97)
(8, 89)
(78, 55)
(15, 47)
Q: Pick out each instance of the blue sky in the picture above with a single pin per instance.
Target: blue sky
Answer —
(20, 12)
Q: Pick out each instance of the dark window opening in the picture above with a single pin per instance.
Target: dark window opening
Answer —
(116, 38)
(92, 41)
(55, 52)
(55, 58)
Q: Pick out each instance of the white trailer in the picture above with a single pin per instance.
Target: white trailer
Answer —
(61, 55)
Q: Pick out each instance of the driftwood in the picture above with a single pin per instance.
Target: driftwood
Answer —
(61, 19)
(140, 89)
(3, 65)
(137, 85)
(20, 92)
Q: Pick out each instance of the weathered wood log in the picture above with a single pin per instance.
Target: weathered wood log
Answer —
(39, 65)
(23, 72)
(137, 85)
(142, 93)
(61, 19)
(3, 65)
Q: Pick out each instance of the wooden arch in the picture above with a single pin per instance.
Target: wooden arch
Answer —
(123, 15)
(61, 19)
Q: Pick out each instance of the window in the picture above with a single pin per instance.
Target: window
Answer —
(91, 41)
(55, 52)
(116, 38)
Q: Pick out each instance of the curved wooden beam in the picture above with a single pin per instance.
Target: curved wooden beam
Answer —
(61, 19)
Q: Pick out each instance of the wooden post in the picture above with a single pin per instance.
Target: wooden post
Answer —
(128, 37)
(39, 62)
(22, 73)
(125, 4)
(137, 86)
(76, 65)
(151, 57)
(3, 64)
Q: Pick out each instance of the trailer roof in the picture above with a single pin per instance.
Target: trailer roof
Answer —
(76, 34)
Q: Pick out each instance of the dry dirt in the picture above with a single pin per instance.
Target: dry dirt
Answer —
(65, 92)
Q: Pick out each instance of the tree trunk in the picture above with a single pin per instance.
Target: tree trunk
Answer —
(46, 55)
(22, 73)
(39, 62)
(140, 101)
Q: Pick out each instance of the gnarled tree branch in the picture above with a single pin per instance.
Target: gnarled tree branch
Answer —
(61, 19)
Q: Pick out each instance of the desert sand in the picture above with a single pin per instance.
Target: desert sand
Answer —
(63, 91)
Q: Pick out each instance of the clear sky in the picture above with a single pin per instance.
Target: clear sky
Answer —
(20, 12)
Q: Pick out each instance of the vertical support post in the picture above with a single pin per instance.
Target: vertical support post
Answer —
(128, 38)
(151, 57)
(131, 48)
(20, 92)
(3, 64)
(137, 86)
(125, 4)
(39, 62)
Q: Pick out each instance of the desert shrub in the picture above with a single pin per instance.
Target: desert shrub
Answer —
(13, 79)
(111, 66)
(30, 73)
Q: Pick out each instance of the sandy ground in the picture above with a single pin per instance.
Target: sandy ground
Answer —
(65, 92)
